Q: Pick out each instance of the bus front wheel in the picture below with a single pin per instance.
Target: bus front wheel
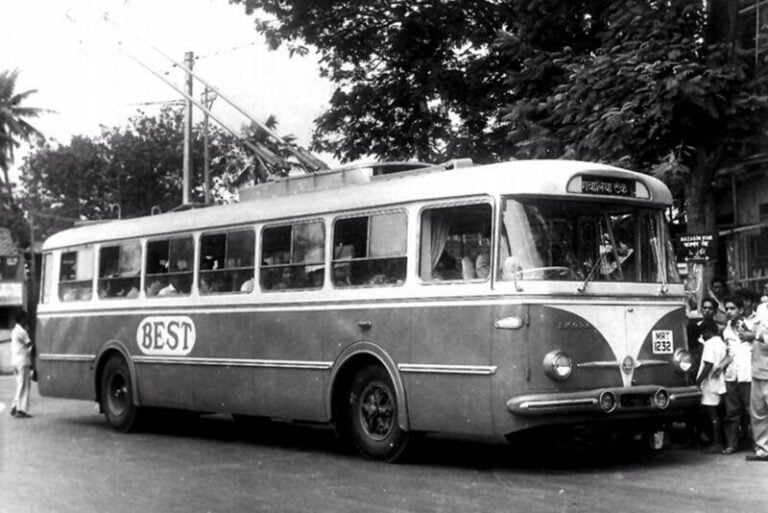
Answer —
(371, 416)
(117, 396)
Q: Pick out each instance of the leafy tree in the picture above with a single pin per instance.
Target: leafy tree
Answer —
(652, 85)
(14, 128)
(123, 171)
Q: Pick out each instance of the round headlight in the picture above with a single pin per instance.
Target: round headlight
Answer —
(558, 365)
(682, 361)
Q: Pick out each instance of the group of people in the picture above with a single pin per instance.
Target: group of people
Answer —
(732, 350)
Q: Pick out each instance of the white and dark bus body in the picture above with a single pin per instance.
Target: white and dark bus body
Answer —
(336, 303)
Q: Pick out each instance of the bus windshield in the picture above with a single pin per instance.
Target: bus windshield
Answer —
(545, 239)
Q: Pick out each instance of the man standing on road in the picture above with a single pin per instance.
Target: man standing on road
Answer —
(738, 334)
(21, 358)
(759, 393)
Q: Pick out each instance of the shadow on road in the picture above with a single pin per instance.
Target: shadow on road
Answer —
(542, 452)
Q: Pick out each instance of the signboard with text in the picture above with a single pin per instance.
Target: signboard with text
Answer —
(697, 247)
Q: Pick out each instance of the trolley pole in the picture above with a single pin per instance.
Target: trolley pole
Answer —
(189, 60)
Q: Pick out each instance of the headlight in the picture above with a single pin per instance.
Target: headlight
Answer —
(558, 365)
(682, 361)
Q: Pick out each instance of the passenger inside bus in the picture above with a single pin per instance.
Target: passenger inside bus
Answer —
(447, 269)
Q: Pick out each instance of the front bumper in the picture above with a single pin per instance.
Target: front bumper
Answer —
(626, 400)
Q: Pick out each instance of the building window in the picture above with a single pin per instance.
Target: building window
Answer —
(119, 270)
(226, 262)
(169, 269)
(293, 256)
(370, 250)
(76, 275)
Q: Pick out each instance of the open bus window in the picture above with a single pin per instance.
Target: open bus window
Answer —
(293, 256)
(575, 241)
(455, 243)
(169, 267)
(76, 275)
(370, 250)
(226, 262)
(119, 270)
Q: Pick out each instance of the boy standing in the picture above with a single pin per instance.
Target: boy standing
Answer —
(711, 380)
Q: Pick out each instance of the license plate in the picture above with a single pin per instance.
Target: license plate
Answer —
(662, 342)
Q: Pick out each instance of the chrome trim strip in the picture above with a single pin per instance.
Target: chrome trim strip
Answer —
(251, 304)
(611, 365)
(53, 357)
(234, 362)
(641, 363)
(529, 405)
(473, 370)
(599, 365)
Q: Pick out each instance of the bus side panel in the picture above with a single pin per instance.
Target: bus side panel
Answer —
(68, 378)
(509, 349)
(441, 401)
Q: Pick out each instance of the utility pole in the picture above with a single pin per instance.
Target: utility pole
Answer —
(207, 99)
(189, 61)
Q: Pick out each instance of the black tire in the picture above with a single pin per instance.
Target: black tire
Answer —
(371, 419)
(117, 401)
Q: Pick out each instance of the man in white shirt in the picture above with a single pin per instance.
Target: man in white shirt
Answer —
(21, 358)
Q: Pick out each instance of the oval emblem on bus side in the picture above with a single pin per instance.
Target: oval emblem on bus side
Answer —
(166, 335)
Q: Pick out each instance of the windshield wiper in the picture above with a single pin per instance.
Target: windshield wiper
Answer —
(591, 273)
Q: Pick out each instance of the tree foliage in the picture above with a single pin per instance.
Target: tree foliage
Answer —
(653, 85)
(133, 170)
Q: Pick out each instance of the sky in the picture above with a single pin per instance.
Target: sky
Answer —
(80, 65)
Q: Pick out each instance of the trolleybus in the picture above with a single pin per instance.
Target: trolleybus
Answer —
(387, 301)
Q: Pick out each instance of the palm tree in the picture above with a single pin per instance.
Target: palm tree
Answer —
(13, 130)
(13, 125)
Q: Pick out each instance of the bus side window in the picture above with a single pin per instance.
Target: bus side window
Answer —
(455, 243)
(226, 262)
(46, 287)
(119, 270)
(76, 275)
(293, 256)
(370, 250)
(169, 267)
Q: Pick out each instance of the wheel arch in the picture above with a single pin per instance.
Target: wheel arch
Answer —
(352, 359)
(110, 349)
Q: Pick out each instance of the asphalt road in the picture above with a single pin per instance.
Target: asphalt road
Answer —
(66, 459)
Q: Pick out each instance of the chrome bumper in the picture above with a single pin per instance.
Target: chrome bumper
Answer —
(625, 400)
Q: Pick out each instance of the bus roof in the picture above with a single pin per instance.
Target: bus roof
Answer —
(525, 177)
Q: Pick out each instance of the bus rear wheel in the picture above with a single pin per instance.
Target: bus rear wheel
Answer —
(117, 396)
(371, 418)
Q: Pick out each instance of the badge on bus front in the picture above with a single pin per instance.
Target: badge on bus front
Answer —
(166, 335)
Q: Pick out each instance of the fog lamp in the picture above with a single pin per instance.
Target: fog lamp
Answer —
(607, 402)
(661, 399)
